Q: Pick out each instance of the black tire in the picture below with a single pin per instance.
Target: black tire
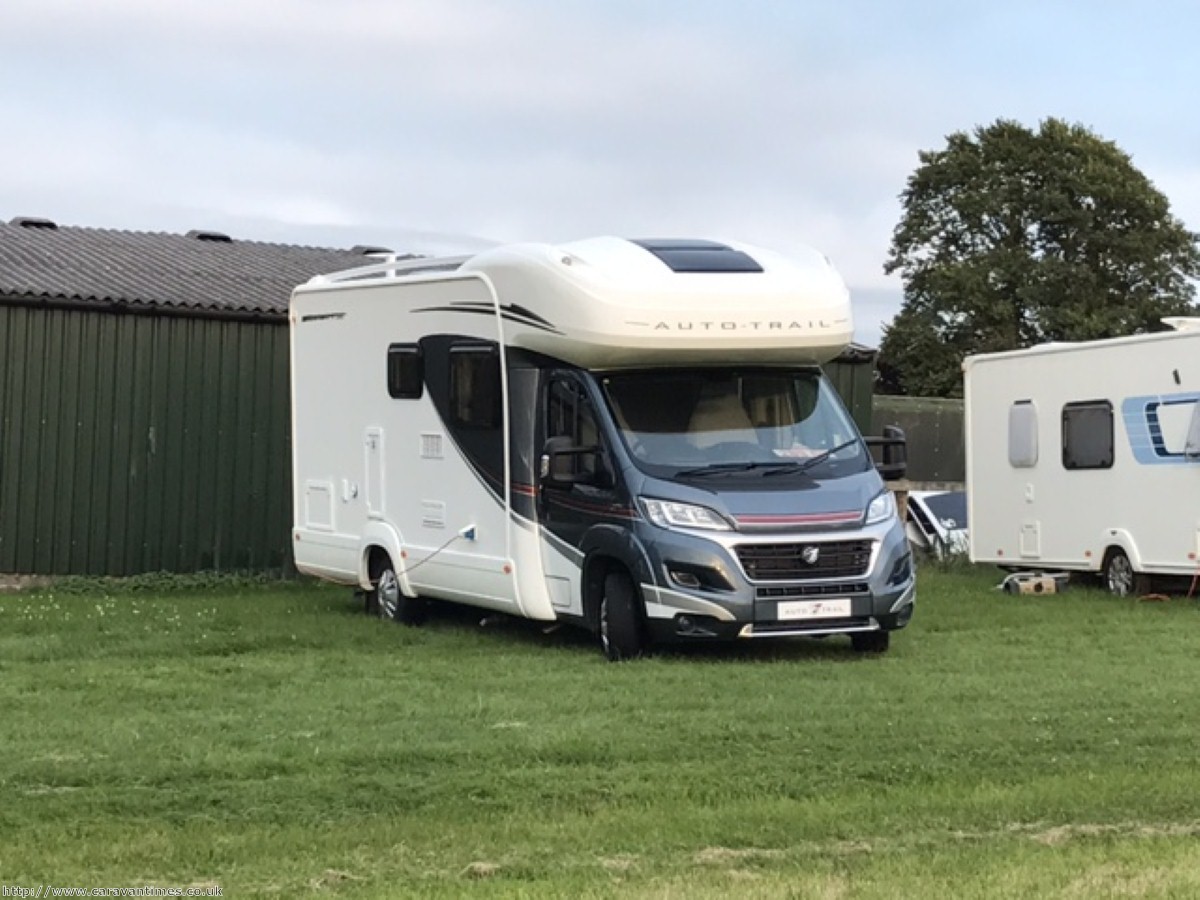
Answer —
(1119, 577)
(622, 634)
(386, 600)
(871, 641)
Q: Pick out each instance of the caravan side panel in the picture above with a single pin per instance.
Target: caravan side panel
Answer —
(1076, 450)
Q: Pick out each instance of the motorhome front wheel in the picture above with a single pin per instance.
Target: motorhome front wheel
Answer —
(621, 633)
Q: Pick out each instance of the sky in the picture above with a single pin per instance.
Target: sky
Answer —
(448, 126)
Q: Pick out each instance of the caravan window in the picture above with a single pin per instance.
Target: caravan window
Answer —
(1173, 426)
(405, 371)
(475, 386)
(1087, 435)
(1022, 435)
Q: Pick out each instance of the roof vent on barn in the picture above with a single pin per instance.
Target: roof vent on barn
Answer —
(33, 222)
(213, 237)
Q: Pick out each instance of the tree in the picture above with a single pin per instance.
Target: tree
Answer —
(1011, 237)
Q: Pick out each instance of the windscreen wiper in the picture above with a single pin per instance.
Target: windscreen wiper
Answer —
(730, 468)
(798, 467)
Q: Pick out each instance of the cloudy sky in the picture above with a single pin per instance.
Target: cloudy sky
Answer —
(451, 125)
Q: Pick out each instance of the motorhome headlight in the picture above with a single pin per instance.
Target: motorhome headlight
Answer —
(669, 514)
(881, 508)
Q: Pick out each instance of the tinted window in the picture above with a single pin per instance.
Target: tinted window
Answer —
(569, 414)
(405, 372)
(475, 386)
(1087, 434)
(950, 508)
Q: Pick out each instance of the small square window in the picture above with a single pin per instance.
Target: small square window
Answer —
(1087, 435)
(405, 371)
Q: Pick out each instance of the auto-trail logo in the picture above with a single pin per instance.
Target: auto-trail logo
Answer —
(735, 325)
(810, 555)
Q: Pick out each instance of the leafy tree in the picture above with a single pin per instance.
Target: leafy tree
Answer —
(1011, 237)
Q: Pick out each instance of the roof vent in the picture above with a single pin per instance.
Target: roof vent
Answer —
(700, 256)
(214, 237)
(33, 222)
(368, 250)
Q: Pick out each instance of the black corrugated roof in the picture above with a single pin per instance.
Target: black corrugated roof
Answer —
(172, 272)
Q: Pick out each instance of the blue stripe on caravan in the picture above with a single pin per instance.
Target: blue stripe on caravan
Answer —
(1142, 427)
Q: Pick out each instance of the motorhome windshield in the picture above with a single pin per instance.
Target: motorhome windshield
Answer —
(720, 422)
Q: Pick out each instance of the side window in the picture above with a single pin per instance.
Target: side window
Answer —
(1173, 427)
(475, 386)
(1191, 446)
(569, 414)
(1087, 435)
(405, 371)
(1022, 435)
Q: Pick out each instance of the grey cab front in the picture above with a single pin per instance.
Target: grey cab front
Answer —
(739, 502)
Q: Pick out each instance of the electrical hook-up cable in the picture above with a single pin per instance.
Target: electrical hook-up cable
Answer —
(467, 534)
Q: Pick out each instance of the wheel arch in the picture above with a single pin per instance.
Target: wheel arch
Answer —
(1140, 583)
(607, 548)
(1120, 539)
(381, 538)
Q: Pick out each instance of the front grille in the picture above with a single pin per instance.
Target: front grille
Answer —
(821, 626)
(796, 591)
(786, 562)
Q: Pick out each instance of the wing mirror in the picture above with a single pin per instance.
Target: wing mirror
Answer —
(892, 459)
(564, 464)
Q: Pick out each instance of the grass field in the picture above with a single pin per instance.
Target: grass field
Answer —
(273, 741)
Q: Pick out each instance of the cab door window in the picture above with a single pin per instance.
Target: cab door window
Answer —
(570, 414)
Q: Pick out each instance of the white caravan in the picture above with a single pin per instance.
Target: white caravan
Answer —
(631, 436)
(1086, 457)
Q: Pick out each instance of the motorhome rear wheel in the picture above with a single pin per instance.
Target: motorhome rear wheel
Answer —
(386, 600)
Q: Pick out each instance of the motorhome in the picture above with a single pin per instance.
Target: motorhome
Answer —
(631, 436)
(1085, 457)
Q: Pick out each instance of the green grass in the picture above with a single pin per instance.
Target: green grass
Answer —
(272, 740)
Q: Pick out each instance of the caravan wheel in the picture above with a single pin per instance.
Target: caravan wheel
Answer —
(621, 633)
(386, 600)
(1120, 577)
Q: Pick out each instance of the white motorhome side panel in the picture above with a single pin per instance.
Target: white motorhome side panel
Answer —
(364, 456)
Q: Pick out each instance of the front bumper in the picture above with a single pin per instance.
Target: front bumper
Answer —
(879, 595)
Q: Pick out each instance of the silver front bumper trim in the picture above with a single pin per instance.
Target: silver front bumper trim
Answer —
(748, 631)
(908, 597)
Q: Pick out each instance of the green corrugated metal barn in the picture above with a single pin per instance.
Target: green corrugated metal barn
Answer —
(144, 399)
(144, 403)
(853, 374)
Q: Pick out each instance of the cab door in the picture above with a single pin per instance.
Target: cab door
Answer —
(577, 485)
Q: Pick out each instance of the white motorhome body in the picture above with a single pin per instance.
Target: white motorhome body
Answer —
(525, 431)
(1083, 457)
